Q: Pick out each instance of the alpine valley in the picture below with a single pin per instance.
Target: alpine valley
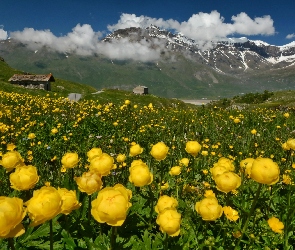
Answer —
(184, 68)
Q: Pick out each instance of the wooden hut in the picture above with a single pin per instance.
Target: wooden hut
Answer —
(33, 81)
(140, 90)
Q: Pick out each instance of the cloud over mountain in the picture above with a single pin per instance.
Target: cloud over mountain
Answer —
(205, 28)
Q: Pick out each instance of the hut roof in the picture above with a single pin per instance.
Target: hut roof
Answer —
(32, 78)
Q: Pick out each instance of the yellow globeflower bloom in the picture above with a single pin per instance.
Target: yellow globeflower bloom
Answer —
(253, 131)
(193, 148)
(90, 182)
(11, 160)
(159, 151)
(12, 213)
(121, 158)
(135, 150)
(217, 170)
(102, 164)
(184, 162)
(291, 143)
(286, 115)
(169, 222)
(127, 102)
(246, 166)
(45, 204)
(230, 213)
(69, 160)
(111, 205)
(276, 225)
(140, 174)
(31, 136)
(176, 170)
(24, 178)
(226, 163)
(69, 200)
(265, 171)
(94, 152)
(54, 130)
(285, 146)
(209, 209)
(227, 182)
(165, 202)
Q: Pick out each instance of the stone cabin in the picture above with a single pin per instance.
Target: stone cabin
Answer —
(33, 81)
(140, 90)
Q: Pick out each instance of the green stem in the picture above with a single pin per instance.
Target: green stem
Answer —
(11, 243)
(89, 207)
(166, 242)
(286, 243)
(250, 214)
(51, 234)
(113, 238)
(152, 204)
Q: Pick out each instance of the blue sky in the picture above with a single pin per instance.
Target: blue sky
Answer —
(63, 21)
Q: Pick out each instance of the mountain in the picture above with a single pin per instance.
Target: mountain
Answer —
(185, 69)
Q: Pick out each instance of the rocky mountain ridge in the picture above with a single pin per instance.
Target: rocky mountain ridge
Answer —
(185, 69)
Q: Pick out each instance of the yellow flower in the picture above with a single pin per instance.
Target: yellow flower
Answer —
(102, 164)
(90, 182)
(286, 115)
(217, 170)
(287, 179)
(69, 160)
(246, 166)
(193, 148)
(24, 178)
(237, 120)
(165, 202)
(209, 209)
(169, 222)
(45, 204)
(165, 186)
(291, 143)
(230, 213)
(226, 163)
(176, 170)
(111, 205)
(184, 162)
(253, 131)
(276, 225)
(121, 157)
(204, 153)
(159, 151)
(69, 200)
(285, 146)
(135, 150)
(11, 160)
(265, 171)
(227, 182)
(140, 174)
(11, 216)
(10, 147)
(31, 136)
(209, 193)
(127, 102)
(94, 152)
(54, 130)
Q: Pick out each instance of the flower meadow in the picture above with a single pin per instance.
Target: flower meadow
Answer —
(85, 175)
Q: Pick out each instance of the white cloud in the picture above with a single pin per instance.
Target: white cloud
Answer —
(3, 34)
(290, 36)
(84, 41)
(205, 28)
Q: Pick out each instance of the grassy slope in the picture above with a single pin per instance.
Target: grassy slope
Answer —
(108, 95)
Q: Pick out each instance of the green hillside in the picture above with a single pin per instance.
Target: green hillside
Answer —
(63, 87)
